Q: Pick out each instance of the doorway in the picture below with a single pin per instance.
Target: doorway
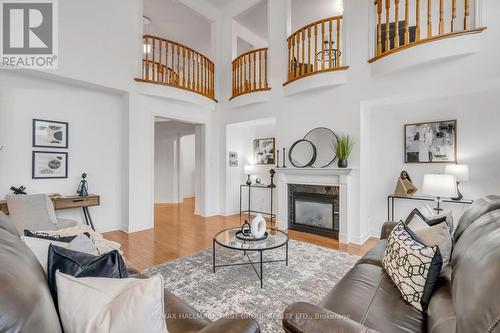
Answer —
(176, 166)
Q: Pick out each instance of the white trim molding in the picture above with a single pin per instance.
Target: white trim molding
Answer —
(307, 176)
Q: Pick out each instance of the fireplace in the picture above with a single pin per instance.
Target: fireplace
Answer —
(314, 209)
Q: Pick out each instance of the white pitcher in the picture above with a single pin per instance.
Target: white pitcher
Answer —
(258, 226)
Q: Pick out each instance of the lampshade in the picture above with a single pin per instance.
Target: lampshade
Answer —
(441, 186)
(248, 169)
(460, 171)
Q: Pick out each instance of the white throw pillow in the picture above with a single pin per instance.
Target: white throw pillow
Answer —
(40, 248)
(103, 305)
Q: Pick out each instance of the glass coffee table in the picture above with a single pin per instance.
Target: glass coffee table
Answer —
(275, 239)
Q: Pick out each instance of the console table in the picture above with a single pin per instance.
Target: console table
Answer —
(67, 202)
(249, 210)
(392, 198)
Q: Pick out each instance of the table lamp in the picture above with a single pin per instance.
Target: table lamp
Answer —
(248, 169)
(461, 173)
(440, 186)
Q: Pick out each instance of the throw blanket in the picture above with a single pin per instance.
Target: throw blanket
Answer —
(103, 245)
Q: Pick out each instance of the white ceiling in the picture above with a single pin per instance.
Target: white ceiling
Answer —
(219, 3)
(255, 19)
(175, 21)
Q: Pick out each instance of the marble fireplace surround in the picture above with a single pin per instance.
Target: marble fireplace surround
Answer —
(311, 176)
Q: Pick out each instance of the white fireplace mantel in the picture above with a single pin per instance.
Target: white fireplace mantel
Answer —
(309, 176)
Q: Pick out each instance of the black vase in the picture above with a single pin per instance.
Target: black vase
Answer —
(342, 164)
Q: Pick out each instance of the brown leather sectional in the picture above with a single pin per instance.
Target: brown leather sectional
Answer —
(466, 299)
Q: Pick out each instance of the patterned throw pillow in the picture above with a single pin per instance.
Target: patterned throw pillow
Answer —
(412, 266)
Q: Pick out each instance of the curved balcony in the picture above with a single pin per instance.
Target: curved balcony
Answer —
(172, 64)
(249, 73)
(315, 48)
(402, 24)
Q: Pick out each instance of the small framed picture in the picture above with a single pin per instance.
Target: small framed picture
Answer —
(233, 155)
(263, 151)
(50, 134)
(432, 142)
(49, 164)
(233, 163)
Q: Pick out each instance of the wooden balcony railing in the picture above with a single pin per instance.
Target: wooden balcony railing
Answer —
(315, 48)
(405, 23)
(173, 64)
(250, 73)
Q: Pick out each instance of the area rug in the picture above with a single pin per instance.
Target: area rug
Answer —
(311, 273)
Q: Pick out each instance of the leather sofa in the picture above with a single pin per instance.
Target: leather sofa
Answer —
(26, 304)
(465, 300)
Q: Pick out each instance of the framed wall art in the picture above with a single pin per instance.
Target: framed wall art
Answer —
(432, 142)
(264, 151)
(50, 134)
(49, 165)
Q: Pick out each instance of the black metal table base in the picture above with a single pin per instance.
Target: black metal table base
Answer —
(88, 218)
(261, 262)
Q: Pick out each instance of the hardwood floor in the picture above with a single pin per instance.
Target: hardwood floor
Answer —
(178, 232)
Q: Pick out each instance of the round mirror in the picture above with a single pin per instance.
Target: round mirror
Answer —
(323, 139)
(302, 154)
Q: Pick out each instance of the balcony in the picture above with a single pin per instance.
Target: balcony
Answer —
(403, 24)
(249, 73)
(316, 49)
(172, 64)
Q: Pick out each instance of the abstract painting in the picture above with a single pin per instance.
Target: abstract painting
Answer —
(50, 134)
(263, 151)
(49, 164)
(433, 142)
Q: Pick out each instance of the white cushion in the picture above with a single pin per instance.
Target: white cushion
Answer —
(40, 248)
(103, 305)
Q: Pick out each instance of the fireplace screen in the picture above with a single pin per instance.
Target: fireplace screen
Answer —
(315, 214)
(314, 208)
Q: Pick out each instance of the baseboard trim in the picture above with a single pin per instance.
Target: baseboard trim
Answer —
(108, 228)
(363, 238)
(137, 228)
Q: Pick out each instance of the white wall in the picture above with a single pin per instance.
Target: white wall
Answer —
(309, 11)
(96, 124)
(188, 168)
(240, 138)
(478, 146)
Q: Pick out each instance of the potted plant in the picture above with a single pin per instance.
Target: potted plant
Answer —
(343, 148)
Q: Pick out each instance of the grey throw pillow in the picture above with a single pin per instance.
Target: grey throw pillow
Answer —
(438, 234)
(82, 243)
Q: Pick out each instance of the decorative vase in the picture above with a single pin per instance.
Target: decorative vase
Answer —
(258, 226)
(342, 164)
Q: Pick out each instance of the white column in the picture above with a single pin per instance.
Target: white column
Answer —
(278, 25)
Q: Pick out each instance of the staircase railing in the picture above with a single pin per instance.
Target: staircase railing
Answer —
(173, 64)
(315, 48)
(406, 23)
(249, 73)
